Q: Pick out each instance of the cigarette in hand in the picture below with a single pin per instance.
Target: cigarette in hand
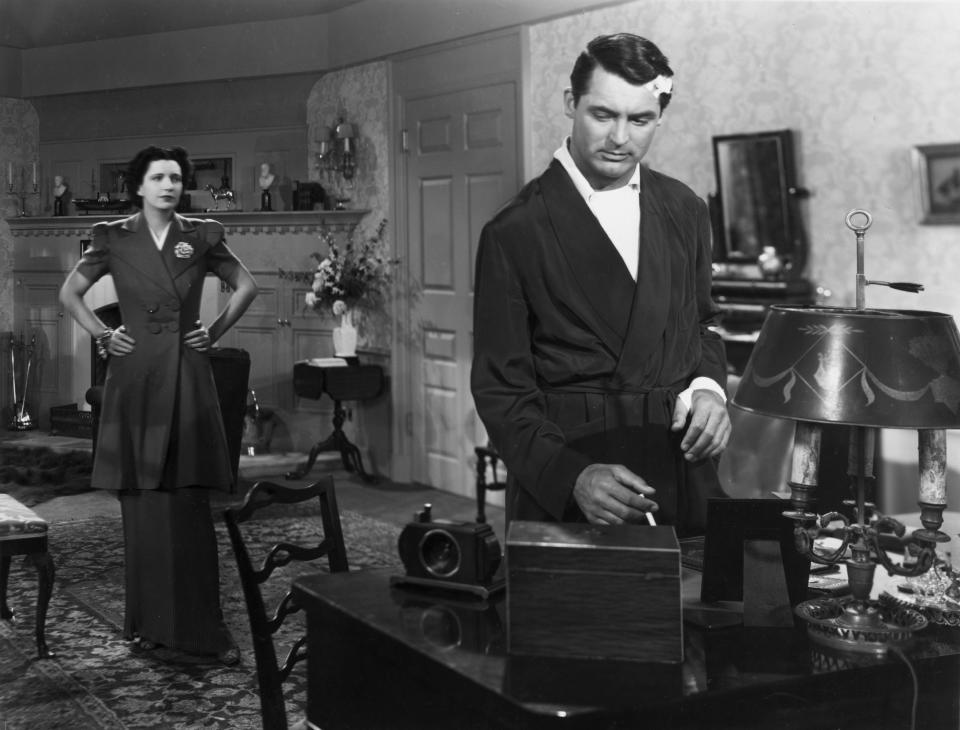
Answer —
(650, 521)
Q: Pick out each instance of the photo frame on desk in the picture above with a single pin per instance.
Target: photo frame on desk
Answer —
(749, 556)
(937, 171)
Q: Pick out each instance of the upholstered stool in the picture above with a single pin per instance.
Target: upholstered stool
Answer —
(24, 532)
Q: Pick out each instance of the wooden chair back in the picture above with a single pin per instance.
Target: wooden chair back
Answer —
(266, 622)
(487, 457)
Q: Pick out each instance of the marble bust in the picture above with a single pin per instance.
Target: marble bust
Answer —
(266, 180)
(266, 177)
(59, 195)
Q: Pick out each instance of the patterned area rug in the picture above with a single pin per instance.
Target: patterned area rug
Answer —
(33, 475)
(98, 680)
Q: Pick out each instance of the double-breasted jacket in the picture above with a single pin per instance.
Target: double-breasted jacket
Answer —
(160, 419)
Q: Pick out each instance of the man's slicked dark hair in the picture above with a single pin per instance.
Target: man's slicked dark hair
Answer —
(631, 57)
(138, 166)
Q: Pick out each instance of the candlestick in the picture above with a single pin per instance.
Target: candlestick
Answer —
(869, 452)
(22, 193)
(804, 468)
(932, 445)
(805, 465)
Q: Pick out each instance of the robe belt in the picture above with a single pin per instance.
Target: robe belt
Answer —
(622, 408)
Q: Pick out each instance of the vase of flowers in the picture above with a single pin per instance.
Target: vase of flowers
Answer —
(350, 278)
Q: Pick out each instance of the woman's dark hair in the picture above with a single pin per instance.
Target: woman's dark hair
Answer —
(632, 58)
(137, 168)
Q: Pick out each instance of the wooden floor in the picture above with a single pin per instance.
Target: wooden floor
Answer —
(385, 500)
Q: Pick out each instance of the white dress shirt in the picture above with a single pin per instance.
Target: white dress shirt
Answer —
(159, 238)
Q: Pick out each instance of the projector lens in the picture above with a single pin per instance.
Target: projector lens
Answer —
(440, 553)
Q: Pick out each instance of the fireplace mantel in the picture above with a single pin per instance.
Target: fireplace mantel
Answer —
(235, 222)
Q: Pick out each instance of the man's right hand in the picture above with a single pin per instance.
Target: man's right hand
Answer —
(611, 494)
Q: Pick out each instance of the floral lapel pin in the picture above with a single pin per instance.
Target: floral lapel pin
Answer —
(183, 250)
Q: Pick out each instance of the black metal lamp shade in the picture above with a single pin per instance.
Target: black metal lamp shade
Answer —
(860, 367)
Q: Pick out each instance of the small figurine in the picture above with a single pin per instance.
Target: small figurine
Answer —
(771, 264)
(266, 180)
(59, 194)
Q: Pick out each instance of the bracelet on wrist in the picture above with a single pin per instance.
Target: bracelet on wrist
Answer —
(103, 339)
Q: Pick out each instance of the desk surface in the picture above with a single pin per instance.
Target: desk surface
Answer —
(384, 657)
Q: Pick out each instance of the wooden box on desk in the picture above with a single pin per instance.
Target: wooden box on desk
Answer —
(592, 591)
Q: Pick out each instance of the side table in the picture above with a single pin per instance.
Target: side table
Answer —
(342, 383)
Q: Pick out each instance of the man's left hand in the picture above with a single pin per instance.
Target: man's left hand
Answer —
(707, 422)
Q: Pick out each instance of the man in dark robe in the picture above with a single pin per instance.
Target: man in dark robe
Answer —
(595, 371)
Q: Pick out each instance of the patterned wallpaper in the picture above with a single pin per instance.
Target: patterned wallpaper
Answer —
(360, 96)
(859, 83)
(19, 136)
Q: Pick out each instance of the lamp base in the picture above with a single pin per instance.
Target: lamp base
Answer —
(852, 625)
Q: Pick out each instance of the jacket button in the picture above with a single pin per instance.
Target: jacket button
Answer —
(154, 328)
(173, 326)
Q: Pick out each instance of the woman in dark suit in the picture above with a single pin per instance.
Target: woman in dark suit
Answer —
(161, 444)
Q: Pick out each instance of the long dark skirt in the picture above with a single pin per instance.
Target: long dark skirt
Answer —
(172, 570)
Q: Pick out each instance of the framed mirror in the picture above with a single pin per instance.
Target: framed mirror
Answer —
(754, 206)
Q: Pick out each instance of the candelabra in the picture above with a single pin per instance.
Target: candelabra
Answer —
(337, 155)
(867, 369)
(23, 192)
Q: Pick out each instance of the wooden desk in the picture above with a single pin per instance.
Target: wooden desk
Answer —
(384, 658)
(350, 382)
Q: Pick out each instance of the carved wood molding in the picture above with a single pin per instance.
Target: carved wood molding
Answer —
(296, 221)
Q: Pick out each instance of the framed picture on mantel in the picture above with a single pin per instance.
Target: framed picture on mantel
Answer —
(937, 169)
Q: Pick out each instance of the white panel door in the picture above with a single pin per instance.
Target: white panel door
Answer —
(461, 167)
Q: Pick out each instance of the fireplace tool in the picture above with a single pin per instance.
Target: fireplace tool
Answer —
(21, 420)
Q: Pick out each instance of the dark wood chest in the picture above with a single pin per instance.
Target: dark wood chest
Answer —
(591, 591)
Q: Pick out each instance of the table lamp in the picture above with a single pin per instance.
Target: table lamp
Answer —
(867, 369)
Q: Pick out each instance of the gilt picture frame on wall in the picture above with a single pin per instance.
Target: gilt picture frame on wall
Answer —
(937, 171)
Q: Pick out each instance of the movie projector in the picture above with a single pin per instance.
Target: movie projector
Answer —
(453, 556)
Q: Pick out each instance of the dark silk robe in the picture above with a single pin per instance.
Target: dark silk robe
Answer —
(575, 363)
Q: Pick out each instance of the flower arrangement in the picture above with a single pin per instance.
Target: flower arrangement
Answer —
(357, 276)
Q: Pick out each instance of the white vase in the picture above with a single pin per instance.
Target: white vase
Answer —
(345, 337)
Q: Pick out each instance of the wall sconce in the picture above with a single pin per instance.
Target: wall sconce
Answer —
(337, 148)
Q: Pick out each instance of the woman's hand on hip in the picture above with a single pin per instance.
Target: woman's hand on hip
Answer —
(199, 339)
(120, 343)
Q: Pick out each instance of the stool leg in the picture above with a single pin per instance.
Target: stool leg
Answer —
(45, 575)
(5, 612)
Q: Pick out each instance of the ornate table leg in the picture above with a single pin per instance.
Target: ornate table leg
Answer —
(45, 576)
(325, 445)
(349, 453)
(336, 441)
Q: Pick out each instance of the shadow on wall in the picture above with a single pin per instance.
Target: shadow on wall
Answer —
(757, 461)
(904, 488)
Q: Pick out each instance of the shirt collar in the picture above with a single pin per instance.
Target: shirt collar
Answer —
(563, 156)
